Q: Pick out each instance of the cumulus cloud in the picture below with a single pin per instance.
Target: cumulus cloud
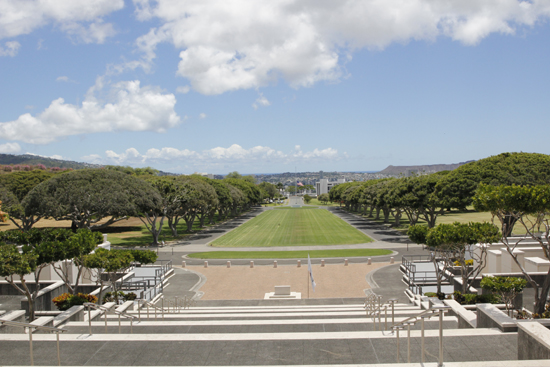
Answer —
(261, 101)
(238, 44)
(10, 48)
(78, 18)
(183, 90)
(10, 148)
(130, 107)
(219, 156)
(202, 115)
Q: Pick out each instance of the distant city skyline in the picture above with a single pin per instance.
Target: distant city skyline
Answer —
(343, 85)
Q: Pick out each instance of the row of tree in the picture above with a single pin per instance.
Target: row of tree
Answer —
(96, 198)
(427, 196)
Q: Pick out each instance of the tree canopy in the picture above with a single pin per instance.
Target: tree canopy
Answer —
(87, 197)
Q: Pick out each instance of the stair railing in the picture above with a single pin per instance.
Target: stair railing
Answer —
(374, 308)
(25, 325)
(152, 305)
(106, 310)
(426, 314)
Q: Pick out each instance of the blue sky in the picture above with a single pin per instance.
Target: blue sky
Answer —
(219, 86)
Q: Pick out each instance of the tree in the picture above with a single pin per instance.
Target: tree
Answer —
(110, 263)
(74, 248)
(323, 198)
(524, 169)
(224, 198)
(458, 239)
(269, 191)
(13, 263)
(40, 248)
(251, 192)
(528, 205)
(16, 187)
(235, 175)
(440, 256)
(87, 197)
(506, 287)
(307, 198)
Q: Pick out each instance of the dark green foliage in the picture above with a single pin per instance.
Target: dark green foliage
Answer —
(418, 233)
(472, 299)
(87, 196)
(521, 169)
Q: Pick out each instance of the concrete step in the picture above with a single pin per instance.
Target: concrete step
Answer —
(250, 326)
(269, 315)
(305, 348)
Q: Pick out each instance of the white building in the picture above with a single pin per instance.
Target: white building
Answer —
(324, 185)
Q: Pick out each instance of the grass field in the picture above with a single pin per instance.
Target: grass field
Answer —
(293, 227)
(317, 254)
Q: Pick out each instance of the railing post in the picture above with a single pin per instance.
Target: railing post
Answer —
(89, 319)
(440, 338)
(58, 353)
(105, 313)
(147, 311)
(386, 316)
(131, 325)
(397, 336)
(119, 323)
(422, 341)
(30, 345)
(408, 342)
(139, 311)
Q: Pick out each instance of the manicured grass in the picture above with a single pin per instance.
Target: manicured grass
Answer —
(288, 254)
(293, 227)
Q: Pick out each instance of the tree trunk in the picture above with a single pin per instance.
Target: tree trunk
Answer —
(540, 304)
(377, 213)
(508, 225)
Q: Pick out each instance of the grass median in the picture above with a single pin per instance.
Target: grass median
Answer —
(289, 254)
(293, 227)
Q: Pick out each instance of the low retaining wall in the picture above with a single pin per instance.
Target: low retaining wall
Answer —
(466, 319)
(45, 296)
(489, 316)
(533, 341)
(18, 316)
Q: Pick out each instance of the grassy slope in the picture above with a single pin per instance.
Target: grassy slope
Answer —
(294, 227)
(289, 254)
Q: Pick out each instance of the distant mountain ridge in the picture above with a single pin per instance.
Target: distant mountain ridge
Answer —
(430, 168)
(12, 159)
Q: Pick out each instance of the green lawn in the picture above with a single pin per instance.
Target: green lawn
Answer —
(289, 254)
(317, 202)
(293, 227)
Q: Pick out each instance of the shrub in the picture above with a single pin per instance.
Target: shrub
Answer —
(467, 263)
(67, 300)
(472, 299)
(430, 294)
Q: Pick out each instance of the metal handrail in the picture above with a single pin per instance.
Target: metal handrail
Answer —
(149, 304)
(105, 310)
(411, 321)
(37, 327)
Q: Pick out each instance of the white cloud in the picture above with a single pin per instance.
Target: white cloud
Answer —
(219, 156)
(183, 90)
(10, 48)
(130, 107)
(202, 116)
(62, 79)
(10, 148)
(261, 101)
(227, 45)
(78, 18)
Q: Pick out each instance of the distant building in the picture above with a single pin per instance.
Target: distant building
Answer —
(324, 185)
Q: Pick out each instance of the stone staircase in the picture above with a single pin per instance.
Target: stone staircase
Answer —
(242, 334)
